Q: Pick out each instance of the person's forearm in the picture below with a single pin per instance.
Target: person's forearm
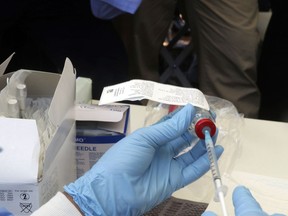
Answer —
(59, 205)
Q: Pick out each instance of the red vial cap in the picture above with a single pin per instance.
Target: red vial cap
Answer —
(202, 124)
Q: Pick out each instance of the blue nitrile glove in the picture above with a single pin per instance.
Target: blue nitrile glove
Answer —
(209, 213)
(5, 212)
(244, 204)
(108, 9)
(141, 170)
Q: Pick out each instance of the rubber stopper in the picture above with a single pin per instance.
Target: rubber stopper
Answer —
(202, 124)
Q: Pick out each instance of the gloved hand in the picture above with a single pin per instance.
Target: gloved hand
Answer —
(142, 169)
(244, 204)
(5, 212)
(109, 9)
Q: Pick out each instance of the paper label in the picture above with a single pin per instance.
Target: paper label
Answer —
(163, 93)
(88, 154)
(19, 199)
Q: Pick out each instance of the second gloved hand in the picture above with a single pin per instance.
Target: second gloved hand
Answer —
(5, 212)
(244, 204)
(142, 170)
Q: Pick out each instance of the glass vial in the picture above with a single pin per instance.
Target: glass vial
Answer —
(202, 121)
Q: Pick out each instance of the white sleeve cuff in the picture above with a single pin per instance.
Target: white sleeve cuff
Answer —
(59, 205)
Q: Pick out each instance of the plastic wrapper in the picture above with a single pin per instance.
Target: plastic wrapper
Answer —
(228, 123)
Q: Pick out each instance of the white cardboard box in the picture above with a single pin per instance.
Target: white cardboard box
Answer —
(98, 128)
(23, 186)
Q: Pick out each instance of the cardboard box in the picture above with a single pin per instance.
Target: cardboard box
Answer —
(97, 129)
(27, 182)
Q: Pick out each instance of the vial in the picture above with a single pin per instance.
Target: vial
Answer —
(21, 95)
(202, 121)
(13, 108)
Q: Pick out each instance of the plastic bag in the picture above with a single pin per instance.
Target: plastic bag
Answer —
(228, 122)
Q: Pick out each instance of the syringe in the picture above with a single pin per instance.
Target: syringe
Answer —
(220, 189)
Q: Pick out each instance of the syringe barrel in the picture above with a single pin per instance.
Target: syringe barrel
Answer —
(202, 121)
(212, 158)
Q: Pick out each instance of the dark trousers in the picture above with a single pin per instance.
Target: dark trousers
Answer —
(273, 66)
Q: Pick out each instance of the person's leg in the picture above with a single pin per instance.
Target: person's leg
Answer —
(226, 40)
(273, 66)
(147, 31)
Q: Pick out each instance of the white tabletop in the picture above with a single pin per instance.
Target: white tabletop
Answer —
(264, 148)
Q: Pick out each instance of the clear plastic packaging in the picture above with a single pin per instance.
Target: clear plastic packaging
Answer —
(228, 122)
